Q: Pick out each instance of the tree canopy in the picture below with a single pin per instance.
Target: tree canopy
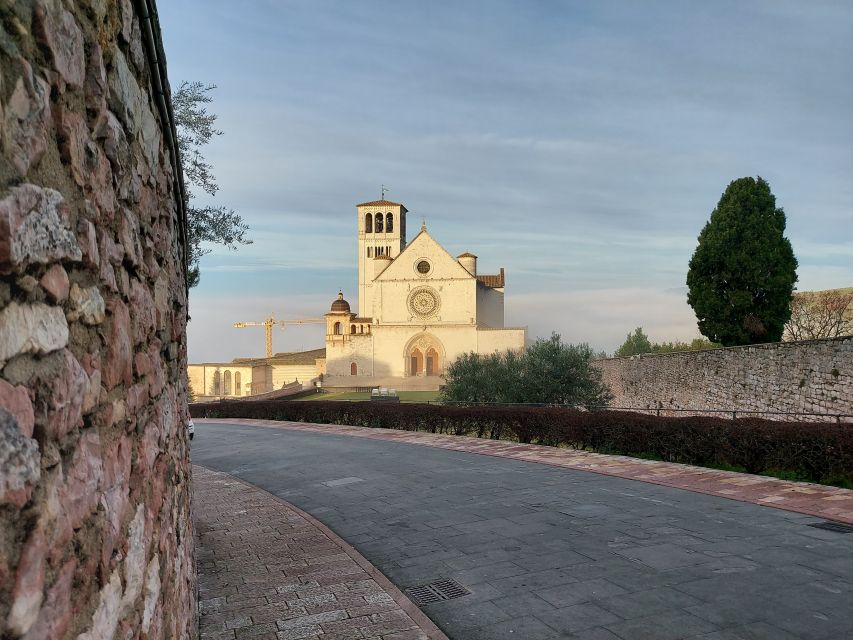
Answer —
(207, 223)
(547, 372)
(635, 344)
(638, 342)
(743, 271)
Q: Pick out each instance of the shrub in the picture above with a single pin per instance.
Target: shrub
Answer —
(547, 372)
(820, 452)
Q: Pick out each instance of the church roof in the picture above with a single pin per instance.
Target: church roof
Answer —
(381, 203)
(340, 305)
(493, 282)
(294, 357)
(467, 254)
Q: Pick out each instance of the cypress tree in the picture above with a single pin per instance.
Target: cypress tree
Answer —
(743, 271)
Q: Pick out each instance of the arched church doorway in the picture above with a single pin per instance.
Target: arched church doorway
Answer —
(424, 356)
(416, 362)
(431, 365)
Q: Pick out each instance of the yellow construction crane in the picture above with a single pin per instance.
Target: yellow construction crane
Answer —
(270, 322)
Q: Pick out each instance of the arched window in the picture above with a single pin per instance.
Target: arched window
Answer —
(237, 383)
(353, 369)
(352, 328)
(378, 225)
(361, 328)
(217, 383)
(227, 391)
(337, 328)
(368, 223)
(389, 223)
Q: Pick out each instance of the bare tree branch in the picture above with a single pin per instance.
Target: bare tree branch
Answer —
(820, 314)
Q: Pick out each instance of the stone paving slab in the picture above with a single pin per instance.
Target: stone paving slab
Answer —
(269, 571)
(549, 552)
(831, 503)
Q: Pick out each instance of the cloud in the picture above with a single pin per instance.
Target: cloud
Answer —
(604, 317)
(582, 146)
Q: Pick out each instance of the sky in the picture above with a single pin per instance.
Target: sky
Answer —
(581, 145)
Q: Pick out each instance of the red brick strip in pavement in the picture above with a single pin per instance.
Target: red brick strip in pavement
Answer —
(831, 503)
(270, 571)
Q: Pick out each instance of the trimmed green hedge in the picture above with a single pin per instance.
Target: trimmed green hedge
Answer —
(818, 452)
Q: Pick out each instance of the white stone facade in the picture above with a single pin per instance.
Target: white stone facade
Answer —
(419, 307)
(251, 376)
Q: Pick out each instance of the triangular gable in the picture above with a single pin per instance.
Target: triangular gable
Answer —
(444, 265)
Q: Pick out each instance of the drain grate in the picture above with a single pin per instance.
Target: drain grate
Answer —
(837, 527)
(437, 591)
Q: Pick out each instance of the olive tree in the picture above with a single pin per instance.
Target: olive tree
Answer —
(547, 372)
(206, 223)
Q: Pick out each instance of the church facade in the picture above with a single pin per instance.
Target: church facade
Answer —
(419, 308)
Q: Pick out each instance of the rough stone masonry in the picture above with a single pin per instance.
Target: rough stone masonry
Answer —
(95, 529)
(812, 376)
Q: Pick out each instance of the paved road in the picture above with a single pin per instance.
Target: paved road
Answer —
(554, 553)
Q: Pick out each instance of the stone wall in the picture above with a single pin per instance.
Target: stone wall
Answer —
(95, 530)
(814, 376)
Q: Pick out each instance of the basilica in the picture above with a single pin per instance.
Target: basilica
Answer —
(419, 308)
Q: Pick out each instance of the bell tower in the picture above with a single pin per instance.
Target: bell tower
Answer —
(381, 234)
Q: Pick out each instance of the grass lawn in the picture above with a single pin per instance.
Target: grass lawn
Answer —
(405, 396)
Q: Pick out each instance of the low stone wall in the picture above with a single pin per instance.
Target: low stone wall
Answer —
(814, 376)
(96, 539)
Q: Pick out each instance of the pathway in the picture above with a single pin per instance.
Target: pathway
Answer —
(270, 571)
(550, 551)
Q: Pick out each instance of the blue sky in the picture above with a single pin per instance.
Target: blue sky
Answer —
(580, 145)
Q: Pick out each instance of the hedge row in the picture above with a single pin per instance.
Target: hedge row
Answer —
(819, 452)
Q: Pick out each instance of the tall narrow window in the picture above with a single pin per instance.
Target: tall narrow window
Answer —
(389, 223)
(227, 391)
(378, 225)
(368, 223)
(352, 328)
(353, 369)
(337, 328)
(237, 383)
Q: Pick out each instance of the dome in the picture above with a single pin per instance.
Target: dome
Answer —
(340, 305)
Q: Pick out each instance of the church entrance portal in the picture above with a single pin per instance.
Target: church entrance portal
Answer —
(424, 356)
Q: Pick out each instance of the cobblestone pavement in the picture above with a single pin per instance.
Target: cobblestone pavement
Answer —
(268, 571)
(553, 552)
(802, 497)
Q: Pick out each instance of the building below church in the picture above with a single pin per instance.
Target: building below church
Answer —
(419, 309)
